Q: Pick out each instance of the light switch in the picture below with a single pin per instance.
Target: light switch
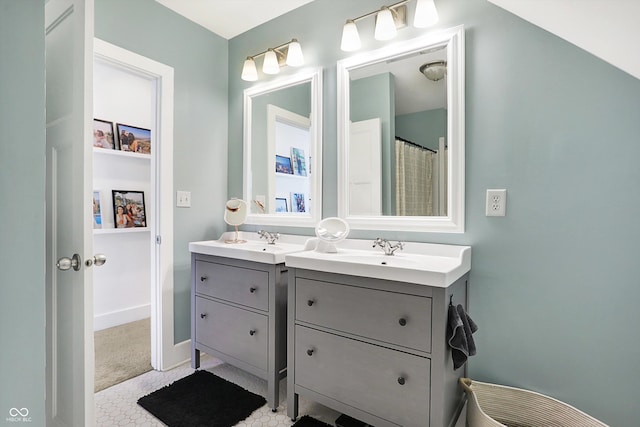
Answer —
(183, 199)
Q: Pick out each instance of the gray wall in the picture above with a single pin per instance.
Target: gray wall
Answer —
(553, 284)
(22, 195)
(199, 59)
(424, 127)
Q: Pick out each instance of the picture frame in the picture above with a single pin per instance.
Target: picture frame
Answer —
(298, 162)
(134, 139)
(298, 202)
(97, 210)
(283, 165)
(129, 209)
(282, 205)
(103, 134)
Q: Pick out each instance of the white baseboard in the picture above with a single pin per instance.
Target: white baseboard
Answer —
(115, 318)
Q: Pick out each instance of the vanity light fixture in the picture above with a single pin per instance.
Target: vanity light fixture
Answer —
(426, 14)
(388, 20)
(289, 53)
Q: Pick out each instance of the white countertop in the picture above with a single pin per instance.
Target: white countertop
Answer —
(421, 263)
(253, 249)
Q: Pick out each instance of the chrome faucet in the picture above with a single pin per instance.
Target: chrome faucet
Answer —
(386, 246)
(269, 237)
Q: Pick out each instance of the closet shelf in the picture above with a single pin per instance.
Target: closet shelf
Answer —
(292, 176)
(97, 231)
(118, 153)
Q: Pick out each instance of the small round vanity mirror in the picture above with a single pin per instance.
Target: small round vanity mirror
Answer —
(235, 213)
(331, 231)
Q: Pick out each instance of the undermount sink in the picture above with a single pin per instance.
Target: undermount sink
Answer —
(252, 249)
(420, 263)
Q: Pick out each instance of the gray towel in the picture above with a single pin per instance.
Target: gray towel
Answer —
(459, 335)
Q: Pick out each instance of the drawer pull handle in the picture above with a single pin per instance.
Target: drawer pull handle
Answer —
(310, 352)
(252, 332)
(402, 321)
(401, 380)
(253, 289)
(203, 315)
(310, 302)
(203, 278)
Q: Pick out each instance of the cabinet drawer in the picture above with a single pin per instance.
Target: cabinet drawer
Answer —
(385, 316)
(233, 331)
(240, 285)
(387, 383)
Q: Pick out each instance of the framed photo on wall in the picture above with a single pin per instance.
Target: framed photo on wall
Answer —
(129, 209)
(103, 134)
(281, 205)
(131, 138)
(298, 162)
(298, 202)
(283, 164)
(97, 210)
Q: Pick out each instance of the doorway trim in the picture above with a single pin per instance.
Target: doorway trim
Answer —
(164, 353)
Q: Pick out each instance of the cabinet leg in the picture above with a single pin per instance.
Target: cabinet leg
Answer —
(195, 358)
(292, 406)
(273, 393)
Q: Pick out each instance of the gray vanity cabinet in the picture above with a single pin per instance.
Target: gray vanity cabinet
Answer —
(239, 316)
(373, 349)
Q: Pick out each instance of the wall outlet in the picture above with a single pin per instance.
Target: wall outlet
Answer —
(183, 199)
(496, 203)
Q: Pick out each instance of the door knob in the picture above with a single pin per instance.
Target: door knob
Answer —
(97, 260)
(66, 263)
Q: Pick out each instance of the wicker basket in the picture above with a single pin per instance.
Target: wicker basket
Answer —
(491, 405)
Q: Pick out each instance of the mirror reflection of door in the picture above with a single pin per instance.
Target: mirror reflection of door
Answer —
(289, 142)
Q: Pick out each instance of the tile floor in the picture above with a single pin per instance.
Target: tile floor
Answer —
(116, 406)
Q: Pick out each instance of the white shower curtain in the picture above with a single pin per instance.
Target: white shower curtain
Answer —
(414, 180)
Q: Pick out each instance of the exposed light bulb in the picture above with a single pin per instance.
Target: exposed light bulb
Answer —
(270, 64)
(249, 71)
(385, 25)
(294, 54)
(350, 37)
(426, 14)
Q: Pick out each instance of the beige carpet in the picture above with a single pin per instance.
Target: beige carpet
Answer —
(122, 352)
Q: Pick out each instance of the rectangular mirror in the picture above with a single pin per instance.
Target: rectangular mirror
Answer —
(282, 151)
(401, 135)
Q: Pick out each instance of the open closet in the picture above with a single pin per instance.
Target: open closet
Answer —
(133, 202)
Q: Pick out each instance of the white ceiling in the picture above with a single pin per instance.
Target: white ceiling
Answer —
(228, 18)
(606, 28)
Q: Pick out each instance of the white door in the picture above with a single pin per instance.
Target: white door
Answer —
(69, 296)
(365, 168)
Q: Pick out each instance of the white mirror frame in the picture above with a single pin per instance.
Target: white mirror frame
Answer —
(453, 38)
(283, 219)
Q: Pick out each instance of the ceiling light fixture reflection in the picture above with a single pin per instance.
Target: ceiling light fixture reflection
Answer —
(434, 71)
